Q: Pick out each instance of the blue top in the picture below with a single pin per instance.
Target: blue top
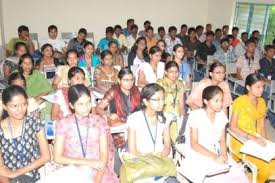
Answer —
(126, 32)
(95, 61)
(185, 70)
(103, 44)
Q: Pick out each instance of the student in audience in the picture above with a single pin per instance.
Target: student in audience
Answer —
(217, 39)
(235, 32)
(185, 70)
(183, 34)
(192, 43)
(146, 25)
(248, 121)
(61, 77)
(120, 37)
(172, 40)
(61, 107)
(210, 121)
(200, 34)
(36, 84)
(239, 50)
(103, 43)
(224, 55)
(206, 48)
(89, 60)
(208, 27)
(58, 44)
(150, 40)
(18, 79)
(174, 95)
(128, 30)
(24, 37)
(216, 77)
(78, 42)
(83, 139)
(10, 65)
(267, 64)
(165, 57)
(150, 72)
(131, 39)
(122, 100)
(118, 61)
(148, 130)
(105, 74)
(24, 148)
(138, 53)
(225, 30)
(249, 62)
(256, 34)
(47, 59)
(161, 34)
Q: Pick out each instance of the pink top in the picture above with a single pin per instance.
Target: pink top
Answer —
(246, 67)
(72, 146)
(195, 97)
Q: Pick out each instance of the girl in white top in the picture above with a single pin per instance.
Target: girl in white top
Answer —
(205, 136)
(150, 72)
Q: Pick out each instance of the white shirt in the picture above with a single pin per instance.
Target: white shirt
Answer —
(144, 142)
(58, 43)
(149, 73)
(130, 42)
(171, 43)
(209, 133)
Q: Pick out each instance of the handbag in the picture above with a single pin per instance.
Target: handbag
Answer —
(150, 165)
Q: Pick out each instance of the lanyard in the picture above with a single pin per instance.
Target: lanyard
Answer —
(80, 138)
(18, 146)
(149, 129)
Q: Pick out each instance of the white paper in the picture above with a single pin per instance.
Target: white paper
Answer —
(266, 153)
(51, 98)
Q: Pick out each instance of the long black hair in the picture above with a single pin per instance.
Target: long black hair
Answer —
(251, 79)
(77, 91)
(210, 92)
(21, 60)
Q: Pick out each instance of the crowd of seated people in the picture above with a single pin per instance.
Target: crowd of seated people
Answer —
(94, 89)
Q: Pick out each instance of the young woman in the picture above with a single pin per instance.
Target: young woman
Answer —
(185, 70)
(36, 84)
(48, 60)
(61, 77)
(150, 72)
(105, 74)
(10, 65)
(83, 139)
(216, 77)
(89, 60)
(23, 145)
(138, 53)
(165, 57)
(148, 130)
(174, 95)
(117, 57)
(61, 108)
(205, 137)
(248, 120)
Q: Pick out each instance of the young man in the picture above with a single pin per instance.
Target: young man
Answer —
(146, 24)
(150, 40)
(103, 43)
(249, 62)
(225, 30)
(133, 37)
(24, 37)
(78, 42)
(192, 43)
(161, 33)
(127, 31)
(267, 63)
(200, 35)
(172, 40)
(120, 37)
(183, 34)
(217, 39)
(235, 41)
(240, 48)
(208, 27)
(224, 55)
(57, 43)
(206, 48)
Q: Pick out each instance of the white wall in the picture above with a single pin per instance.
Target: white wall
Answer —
(95, 15)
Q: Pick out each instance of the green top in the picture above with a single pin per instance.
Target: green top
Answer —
(37, 84)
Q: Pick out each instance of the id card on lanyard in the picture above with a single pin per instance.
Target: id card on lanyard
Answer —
(83, 150)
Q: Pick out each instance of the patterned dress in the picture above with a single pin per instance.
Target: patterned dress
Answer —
(23, 150)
